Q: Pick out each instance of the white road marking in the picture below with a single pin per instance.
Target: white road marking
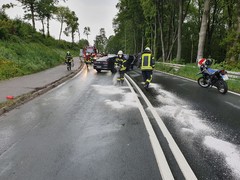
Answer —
(233, 105)
(159, 155)
(182, 162)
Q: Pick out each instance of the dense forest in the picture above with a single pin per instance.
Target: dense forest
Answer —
(179, 30)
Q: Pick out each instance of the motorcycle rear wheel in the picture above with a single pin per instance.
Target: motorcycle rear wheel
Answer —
(222, 86)
(203, 82)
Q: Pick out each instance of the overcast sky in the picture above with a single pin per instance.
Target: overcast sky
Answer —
(93, 13)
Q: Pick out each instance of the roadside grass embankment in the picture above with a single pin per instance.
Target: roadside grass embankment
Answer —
(18, 59)
(190, 71)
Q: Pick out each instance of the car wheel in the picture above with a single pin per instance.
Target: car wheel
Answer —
(98, 70)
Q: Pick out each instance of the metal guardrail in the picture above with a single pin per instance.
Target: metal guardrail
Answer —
(231, 74)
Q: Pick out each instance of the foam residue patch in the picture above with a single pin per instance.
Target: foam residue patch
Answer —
(179, 110)
(126, 98)
(230, 151)
(191, 123)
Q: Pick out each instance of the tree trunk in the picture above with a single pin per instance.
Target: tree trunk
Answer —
(171, 47)
(203, 29)
(142, 43)
(238, 30)
(32, 16)
(43, 28)
(162, 44)
(151, 40)
(211, 27)
(60, 34)
(230, 13)
(161, 32)
(48, 32)
(192, 48)
(72, 37)
(238, 14)
(155, 39)
(135, 41)
(234, 57)
(172, 32)
(179, 45)
(79, 36)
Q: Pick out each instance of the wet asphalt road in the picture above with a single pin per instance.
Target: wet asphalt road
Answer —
(204, 123)
(84, 129)
(88, 128)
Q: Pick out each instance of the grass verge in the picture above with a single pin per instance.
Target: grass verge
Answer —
(18, 59)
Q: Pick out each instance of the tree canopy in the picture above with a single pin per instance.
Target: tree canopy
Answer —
(180, 30)
(175, 30)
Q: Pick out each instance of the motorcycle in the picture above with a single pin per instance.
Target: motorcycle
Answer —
(215, 78)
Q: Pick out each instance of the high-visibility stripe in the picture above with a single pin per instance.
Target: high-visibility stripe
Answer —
(146, 62)
(121, 62)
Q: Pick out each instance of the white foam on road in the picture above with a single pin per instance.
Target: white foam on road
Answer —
(180, 111)
(230, 151)
(115, 78)
(126, 98)
(114, 104)
(186, 117)
(187, 131)
(192, 124)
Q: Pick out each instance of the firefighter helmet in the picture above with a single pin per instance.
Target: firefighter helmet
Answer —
(120, 52)
(147, 49)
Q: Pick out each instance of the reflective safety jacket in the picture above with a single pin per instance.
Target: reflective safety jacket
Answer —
(122, 63)
(147, 62)
(68, 58)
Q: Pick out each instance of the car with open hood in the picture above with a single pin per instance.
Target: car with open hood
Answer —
(105, 63)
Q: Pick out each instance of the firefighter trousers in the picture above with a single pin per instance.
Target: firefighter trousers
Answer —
(121, 76)
(147, 76)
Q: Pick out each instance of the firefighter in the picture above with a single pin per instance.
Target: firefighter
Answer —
(91, 58)
(121, 63)
(147, 64)
(68, 59)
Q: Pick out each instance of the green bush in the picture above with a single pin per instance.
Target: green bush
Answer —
(9, 69)
(5, 28)
(230, 65)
